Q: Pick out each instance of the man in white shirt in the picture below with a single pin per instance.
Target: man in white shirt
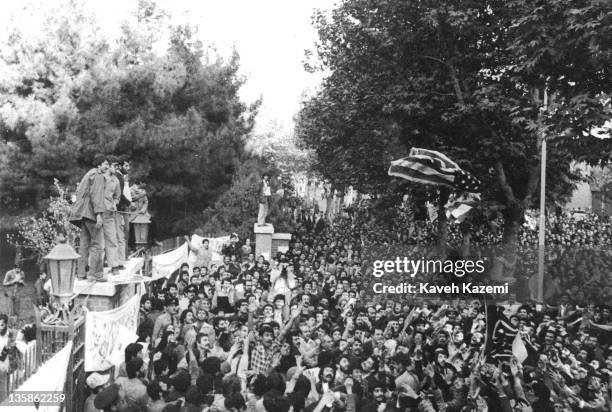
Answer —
(264, 200)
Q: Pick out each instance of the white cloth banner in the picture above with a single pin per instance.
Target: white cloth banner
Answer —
(51, 377)
(215, 244)
(108, 333)
(165, 264)
(518, 348)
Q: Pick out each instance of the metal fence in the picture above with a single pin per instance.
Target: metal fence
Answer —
(51, 338)
(27, 366)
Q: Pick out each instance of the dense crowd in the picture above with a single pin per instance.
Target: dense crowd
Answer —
(578, 251)
(298, 332)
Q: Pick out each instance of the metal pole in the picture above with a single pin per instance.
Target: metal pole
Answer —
(542, 226)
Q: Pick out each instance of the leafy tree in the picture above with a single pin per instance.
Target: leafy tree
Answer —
(39, 234)
(467, 78)
(71, 93)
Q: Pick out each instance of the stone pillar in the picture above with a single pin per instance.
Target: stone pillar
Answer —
(101, 296)
(263, 240)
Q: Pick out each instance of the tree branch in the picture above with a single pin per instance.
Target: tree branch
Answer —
(503, 181)
(453, 75)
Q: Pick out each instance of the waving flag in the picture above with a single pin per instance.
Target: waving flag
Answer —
(434, 168)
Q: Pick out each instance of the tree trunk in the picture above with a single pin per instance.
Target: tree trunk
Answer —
(442, 223)
(466, 244)
(513, 216)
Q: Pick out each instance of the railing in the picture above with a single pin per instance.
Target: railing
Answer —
(51, 338)
(26, 367)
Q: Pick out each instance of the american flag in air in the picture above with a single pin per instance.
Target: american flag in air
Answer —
(433, 168)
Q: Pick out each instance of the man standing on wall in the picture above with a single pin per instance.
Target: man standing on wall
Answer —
(265, 192)
(122, 217)
(112, 194)
(87, 213)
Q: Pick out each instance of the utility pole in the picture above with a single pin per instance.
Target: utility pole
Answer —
(542, 225)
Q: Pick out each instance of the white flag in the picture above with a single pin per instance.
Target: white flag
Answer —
(518, 348)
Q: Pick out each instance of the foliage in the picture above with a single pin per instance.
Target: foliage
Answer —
(467, 78)
(280, 148)
(40, 234)
(71, 92)
(236, 209)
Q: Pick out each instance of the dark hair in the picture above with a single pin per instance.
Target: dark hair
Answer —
(133, 366)
(98, 159)
(154, 390)
(112, 159)
(171, 301)
(231, 384)
(131, 351)
(184, 315)
(159, 366)
(276, 403)
(234, 400)
(275, 381)
(144, 298)
(259, 385)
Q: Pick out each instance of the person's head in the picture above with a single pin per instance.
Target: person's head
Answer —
(234, 402)
(133, 367)
(267, 335)
(3, 323)
(100, 162)
(203, 341)
(113, 163)
(125, 163)
(276, 403)
(357, 348)
(327, 374)
(173, 290)
(181, 382)
(145, 303)
(268, 311)
(160, 367)
(187, 317)
(378, 388)
(171, 305)
(133, 350)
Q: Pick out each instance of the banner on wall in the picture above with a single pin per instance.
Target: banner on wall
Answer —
(108, 333)
(215, 244)
(165, 264)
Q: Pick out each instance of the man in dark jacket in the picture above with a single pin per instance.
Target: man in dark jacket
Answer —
(87, 213)
(121, 217)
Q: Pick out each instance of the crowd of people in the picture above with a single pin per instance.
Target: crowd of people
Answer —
(578, 251)
(299, 332)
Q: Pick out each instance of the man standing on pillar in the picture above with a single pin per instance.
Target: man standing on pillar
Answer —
(265, 192)
(87, 213)
(112, 194)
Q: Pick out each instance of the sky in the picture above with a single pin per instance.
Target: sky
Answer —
(269, 35)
